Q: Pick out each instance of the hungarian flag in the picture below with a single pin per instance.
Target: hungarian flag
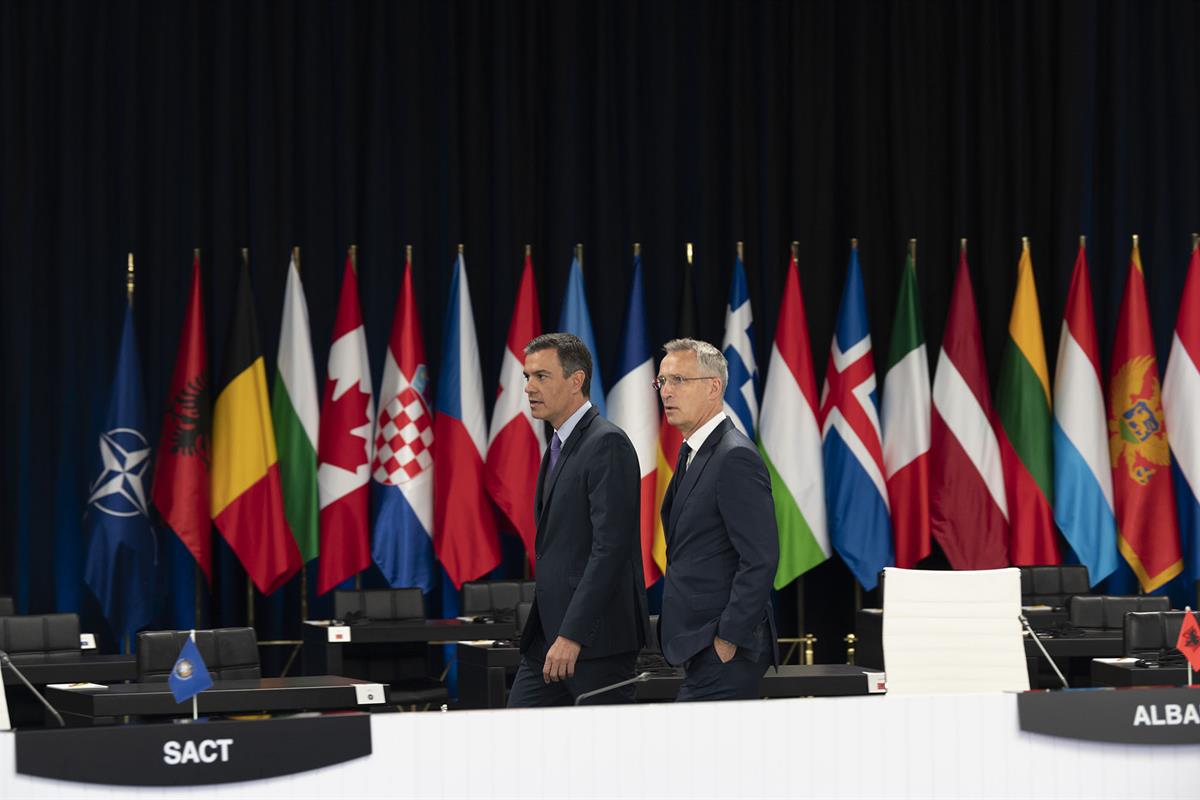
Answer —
(344, 448)
(968, 507)
(669, 437)
(1137, 444)
(741, 391)
(856, 496)
(517, 440)
(295, 411)
(790, 440)
(247, 498)
(1083, 494)
(1181, 404)
(464, 527)
(632, 407)
(181, 469)
(1188, 642)
(1023, 405)
(402, 471)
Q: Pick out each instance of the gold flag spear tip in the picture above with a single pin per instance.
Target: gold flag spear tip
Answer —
(741, 250)
(637, 248)
(689, 252)
(528, 250)
(129, 277)
(1135, 240)
(579, 253)
(408, 253)
(246, 256)
(1024, 242)
(1195, 240)
(962, 245)
(1082, 240)
(460, 248)
(795, 250)
(854, 244)
(912, 249)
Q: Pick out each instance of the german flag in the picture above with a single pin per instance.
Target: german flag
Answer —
(247, 498)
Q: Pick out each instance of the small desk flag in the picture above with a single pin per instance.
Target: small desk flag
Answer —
(189, 677)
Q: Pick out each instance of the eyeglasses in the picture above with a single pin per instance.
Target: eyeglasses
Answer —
(662, 381)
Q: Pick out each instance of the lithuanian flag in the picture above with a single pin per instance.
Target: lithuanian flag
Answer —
(247, 500)
(1023, 404)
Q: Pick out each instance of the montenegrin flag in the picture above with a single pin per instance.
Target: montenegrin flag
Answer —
(1023, 406)
(1137, 443)
(790, 440)
(247, 498)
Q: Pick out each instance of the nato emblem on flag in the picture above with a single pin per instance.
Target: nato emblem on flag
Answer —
(189, 677)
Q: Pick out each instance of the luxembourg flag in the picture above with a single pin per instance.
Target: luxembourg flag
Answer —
(517, 440)
(1083, 489)
(741, 393)
(633, 407)
(576, 319)
(402, 470)
(1181, 399)
(464, 528)
(855, 491)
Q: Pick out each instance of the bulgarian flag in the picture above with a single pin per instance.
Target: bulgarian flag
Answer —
(295, 411)
(906, 421)
(790, 440)
(1023, 406)
(1148, 536)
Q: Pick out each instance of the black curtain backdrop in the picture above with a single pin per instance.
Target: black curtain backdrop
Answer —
(156, 127)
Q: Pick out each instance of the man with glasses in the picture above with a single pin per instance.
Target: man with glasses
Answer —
(722, 542)
(589, 619)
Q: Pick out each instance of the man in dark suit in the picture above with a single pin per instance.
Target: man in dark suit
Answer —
(722, 541)
(589, 618)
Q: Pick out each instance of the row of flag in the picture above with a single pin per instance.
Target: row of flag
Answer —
(293, 474)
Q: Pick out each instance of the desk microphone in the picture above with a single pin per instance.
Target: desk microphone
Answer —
(641, 677)
(1042, 647)
(4, 659)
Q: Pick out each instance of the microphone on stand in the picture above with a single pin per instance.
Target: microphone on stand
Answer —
(1042, 647)
(641, 677)
(5, 660)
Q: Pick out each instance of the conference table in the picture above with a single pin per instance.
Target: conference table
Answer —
(326, 644)
(43, 668)
(89, 704)
(1127, 672)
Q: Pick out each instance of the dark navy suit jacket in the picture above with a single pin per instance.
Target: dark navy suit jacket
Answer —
(722, 550)
(590, 586)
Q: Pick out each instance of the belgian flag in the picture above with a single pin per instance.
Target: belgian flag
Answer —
(247, 496)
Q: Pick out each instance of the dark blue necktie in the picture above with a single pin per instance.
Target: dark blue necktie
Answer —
(555, 452)
(682, 462)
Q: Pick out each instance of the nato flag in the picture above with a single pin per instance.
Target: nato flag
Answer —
(189, 677)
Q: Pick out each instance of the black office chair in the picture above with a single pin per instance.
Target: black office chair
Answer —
(523, 609)
(1053, 585)
(378, 604)
(39, 635)
(498, 599)
(1108, 611)
(1152, 635)
(228, 653)
(7, 607)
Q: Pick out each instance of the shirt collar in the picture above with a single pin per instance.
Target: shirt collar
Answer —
(697, 439)
(567, 427)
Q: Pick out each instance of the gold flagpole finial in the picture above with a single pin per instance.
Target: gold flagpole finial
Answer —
(579, 253)
(962, 245)
(854, 244)
(129, 278)
(408, 254)
(1082, 241)
(795, 250)
(1024, 242)
(689, 253)
(460, 248)
(296, 256)
(741, 251)
(528, 250)
(637, 249)
(1195, 240)
(246, 257)
(912, 249)
(1135, 241)
(353, 251)
(196, 253)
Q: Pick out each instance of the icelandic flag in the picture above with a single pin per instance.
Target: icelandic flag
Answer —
(464, 526)
(633, 407)
(402, 470)
(855, 492)
(1083, 490)
(189, 677)
(576, 319)
(1181, 399)
(121, 554)
(741, 394)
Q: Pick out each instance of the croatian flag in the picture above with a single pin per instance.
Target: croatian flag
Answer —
(633, 407)
(576, 319)
(464, 527)
(402, 470)
(741, 393)
(1181, 399)
(855, 491)
(517, 440)
(1083, 492)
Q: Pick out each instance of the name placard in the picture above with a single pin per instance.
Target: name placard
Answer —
(1129, 716)
(193, 753)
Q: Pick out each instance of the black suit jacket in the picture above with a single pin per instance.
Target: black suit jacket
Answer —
(590, 586)
(722, 550)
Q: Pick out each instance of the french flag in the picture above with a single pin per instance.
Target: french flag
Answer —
(464, 528)
(517, 440)
(1083, 492)
(1181, 399)
(633, 406)
(856, 494)
(402, 470)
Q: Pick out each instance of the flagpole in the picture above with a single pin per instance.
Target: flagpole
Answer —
(795, 250)
(303, 567)
(129, 299)
(195, 704)
(249, 582)
(354, 266)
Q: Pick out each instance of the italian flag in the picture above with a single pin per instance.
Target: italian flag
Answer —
(295, 412)
(790, 440)
(906, 423)
(1023, 406)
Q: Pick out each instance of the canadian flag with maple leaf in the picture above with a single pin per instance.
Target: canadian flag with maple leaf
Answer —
(345, 443)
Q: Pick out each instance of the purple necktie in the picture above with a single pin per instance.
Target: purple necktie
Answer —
(555, 452)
